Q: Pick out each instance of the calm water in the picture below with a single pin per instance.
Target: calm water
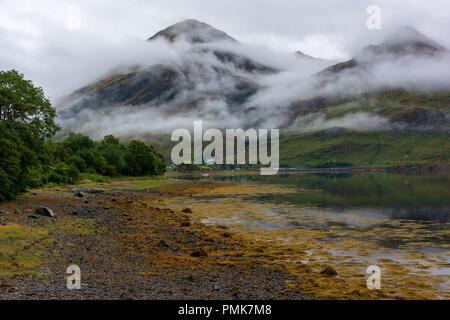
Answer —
(393, 212)
(424, 198)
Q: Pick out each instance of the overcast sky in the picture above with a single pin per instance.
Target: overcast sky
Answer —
(58, 43)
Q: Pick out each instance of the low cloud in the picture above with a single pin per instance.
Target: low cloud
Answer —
(361, 121)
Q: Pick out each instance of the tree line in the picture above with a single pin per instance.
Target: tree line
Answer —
(30, 158)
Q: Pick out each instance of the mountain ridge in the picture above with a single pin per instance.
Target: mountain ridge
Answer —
(217, 83)
(406, 41)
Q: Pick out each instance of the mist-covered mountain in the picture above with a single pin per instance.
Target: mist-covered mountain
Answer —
(204, 73)
(192, 31)
(406, 42)
(396, 85)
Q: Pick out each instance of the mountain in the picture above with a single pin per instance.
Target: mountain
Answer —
(305, 56)
(405, 42)
(397, 64)
(203, 75)
(192, 31)
(367, 111)
(385, 93)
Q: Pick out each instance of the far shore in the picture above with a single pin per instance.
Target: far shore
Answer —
(431, 169)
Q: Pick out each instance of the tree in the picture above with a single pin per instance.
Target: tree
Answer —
(21, 101)
(73, 173)
(18, 156)
(100, 164)
(140, 159)
(26, 121)
(114, 154)
(79, 145)
(107, 140)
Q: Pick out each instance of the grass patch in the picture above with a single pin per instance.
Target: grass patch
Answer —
(74, 226)
(22, 249)
(148, 184)
(94, 177)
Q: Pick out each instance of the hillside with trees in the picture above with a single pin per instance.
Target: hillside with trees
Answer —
(30, 158)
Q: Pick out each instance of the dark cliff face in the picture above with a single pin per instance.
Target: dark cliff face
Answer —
(157, 83)
(136, 87)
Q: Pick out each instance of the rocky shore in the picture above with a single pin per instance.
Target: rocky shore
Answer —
(129, 245)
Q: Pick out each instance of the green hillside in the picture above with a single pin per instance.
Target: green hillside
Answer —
(416, 134)
(357, 149)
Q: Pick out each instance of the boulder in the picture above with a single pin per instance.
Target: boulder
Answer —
(85, 190)
(329, 271)
(47, 212)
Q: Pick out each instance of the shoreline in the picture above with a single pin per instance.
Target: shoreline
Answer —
(405, 170)
(129, 244)
(140, 243)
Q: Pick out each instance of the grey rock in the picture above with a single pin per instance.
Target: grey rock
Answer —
(85, 190)
(47, 212)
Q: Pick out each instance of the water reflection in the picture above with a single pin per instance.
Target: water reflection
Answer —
(399, 222)
(395, 196)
